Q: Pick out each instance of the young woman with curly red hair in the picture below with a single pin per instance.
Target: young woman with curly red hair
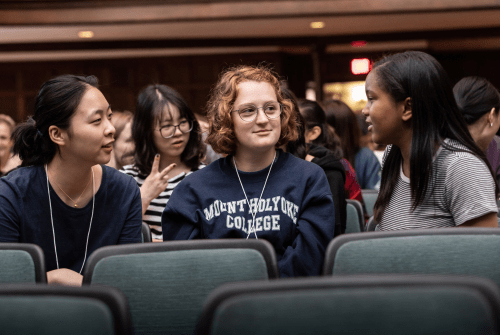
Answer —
(290, 202)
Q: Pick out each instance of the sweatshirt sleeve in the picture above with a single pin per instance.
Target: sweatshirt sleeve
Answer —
(315, 229)
(9, 217)
(131, 232)
(180, 220)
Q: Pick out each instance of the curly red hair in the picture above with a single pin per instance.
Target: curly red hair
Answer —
(221, 129)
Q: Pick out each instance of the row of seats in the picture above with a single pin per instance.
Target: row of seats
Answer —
(167, 284)
(390, 304)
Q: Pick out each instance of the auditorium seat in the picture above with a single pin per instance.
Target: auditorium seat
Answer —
(57, 310)
(354, 217)
(166, 283)
(369, 197)
(22, 263)
(389, 304)
(146, 233)
(461, 251)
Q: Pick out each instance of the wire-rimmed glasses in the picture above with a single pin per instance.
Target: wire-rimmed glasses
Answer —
(248, 113)
(169, 131)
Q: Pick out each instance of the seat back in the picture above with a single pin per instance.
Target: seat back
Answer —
(354, 217)
(471, 251)
(44, 309)
(371, 224)
(354, 305)
(146, 233)
(22, 263)
(369, 197)
(166, 283)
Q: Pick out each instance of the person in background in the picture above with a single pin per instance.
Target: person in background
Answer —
(257, 191)
(434, 175)
(493, 155)
(366, 138)
(63, 198)
(123, 148)
(168, 147)
(479, 102)
(364, 161)
(8, 161)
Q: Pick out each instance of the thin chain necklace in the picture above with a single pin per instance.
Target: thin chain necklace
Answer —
(52, 219)
(66, 194)
(254, 213)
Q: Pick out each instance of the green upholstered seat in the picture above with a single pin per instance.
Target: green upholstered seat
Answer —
(369, 197)
(166, 283)
(52, 310)
(146, 233)
(392, 304)
(354, 217)
(463, 251)
(22, 263)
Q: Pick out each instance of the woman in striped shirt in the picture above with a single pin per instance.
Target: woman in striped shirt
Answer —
(168, 147)
(434, 175)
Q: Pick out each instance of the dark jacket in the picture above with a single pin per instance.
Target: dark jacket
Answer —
(335, 173)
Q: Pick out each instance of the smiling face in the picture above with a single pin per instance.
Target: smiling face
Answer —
(383, 114)
(263, 133)
(90, 135)
(5, 142)
(174, 146)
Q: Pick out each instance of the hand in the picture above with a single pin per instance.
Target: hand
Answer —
(155, 183)
(65, 277)
(309, 158)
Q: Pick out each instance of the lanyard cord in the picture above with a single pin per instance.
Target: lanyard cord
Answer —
(254, 213)
(52, 218)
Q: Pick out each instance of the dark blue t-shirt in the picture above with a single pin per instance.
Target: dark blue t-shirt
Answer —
(25, 215)
(296, 213)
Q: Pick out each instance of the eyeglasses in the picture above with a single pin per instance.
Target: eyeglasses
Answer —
(169, 131)
(248, 113)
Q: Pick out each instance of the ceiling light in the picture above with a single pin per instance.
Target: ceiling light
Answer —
(317, 25)
(86, 34)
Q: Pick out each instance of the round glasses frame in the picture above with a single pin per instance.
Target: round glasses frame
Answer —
(263, 109)
(165, 129)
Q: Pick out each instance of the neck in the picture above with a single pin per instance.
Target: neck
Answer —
(72, 177)
(251, 161)
(404, 144)
(167, 160)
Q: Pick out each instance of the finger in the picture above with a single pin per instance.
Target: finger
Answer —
(156, 163)
(167, 169)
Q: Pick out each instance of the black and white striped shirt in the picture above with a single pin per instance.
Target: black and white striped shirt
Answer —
(153, 214)
(461, 189)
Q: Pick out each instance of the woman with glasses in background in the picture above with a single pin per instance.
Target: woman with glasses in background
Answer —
(256, 191)
(168, 147)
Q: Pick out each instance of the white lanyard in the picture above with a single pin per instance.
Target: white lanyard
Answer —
(52, 219)
(254, 213)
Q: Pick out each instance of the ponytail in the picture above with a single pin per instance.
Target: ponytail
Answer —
(55, 104)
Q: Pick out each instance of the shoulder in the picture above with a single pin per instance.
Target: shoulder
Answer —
(455, 154)
(22, 178)
(118, 180)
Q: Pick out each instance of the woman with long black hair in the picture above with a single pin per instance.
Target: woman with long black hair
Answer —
(434, 175)
(63, 198)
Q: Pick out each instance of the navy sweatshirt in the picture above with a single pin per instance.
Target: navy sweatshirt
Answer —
(25, 215)
(296, 213)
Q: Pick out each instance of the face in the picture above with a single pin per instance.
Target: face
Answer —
(174, 146)
(123, 148)
(262, 133)
(383, 113)
(5, 142)
(90, 134)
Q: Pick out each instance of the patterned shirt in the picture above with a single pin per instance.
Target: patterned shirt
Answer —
(460, 190)
(152, 217)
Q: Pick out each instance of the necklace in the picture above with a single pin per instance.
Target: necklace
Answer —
(52, 218)
(66, 194)
(254, 213)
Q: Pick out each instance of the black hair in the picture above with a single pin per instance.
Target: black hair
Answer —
(435, 116)
(344, 121)
(298, 147)
(151, 103)
(55, 105)
(314, 115)
(475, 96)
